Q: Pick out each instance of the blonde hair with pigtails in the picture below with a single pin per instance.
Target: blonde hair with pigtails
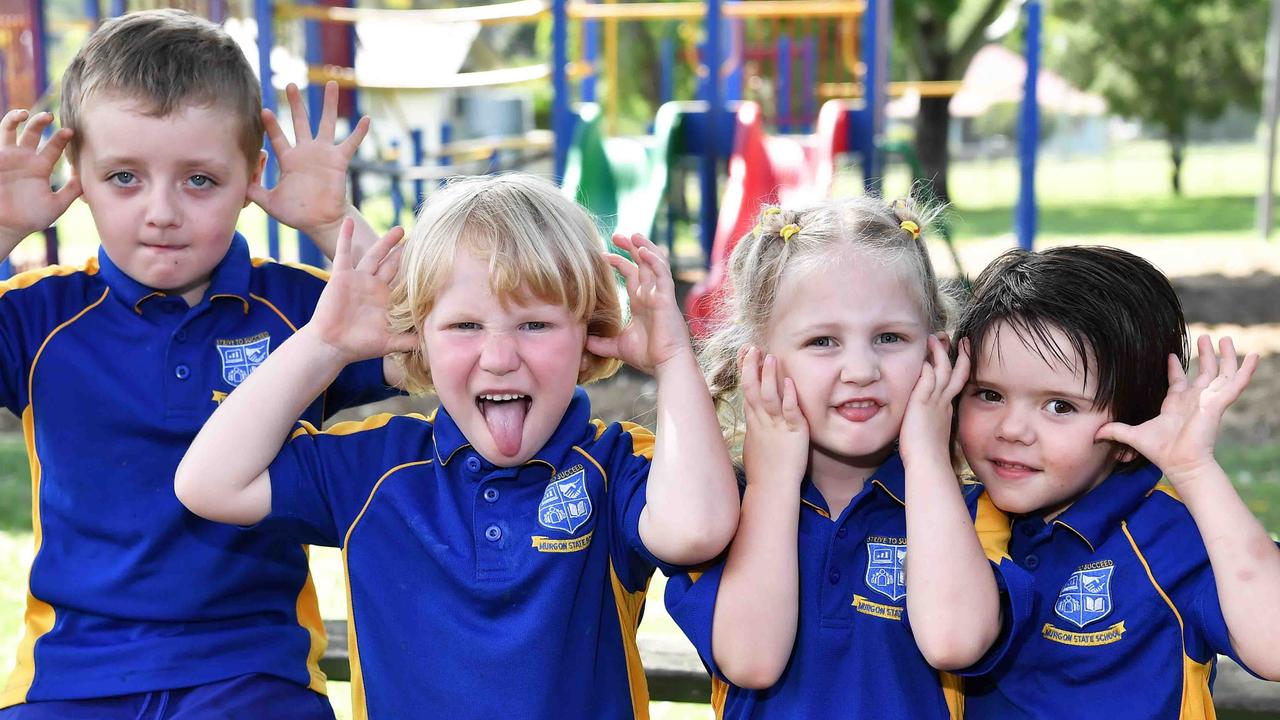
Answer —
(787, 241)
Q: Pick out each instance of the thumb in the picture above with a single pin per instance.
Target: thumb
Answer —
(1118, 432)
(258, 195)
(606, 347)
(404, 342)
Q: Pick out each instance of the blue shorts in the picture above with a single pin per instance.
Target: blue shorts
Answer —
(247, 696)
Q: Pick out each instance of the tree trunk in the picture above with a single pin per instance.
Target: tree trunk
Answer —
(1177, 144)
(932, 138)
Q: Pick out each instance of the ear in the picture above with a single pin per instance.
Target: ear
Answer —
(945, 339)
(255, 174)
(586, 362)
(1125, 454)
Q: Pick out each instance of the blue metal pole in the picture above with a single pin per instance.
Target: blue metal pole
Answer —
(40, 70)
(561, 122)
(591, 54)
(1029, 132)
(877, 32)
(419, 157)
(397, 196)
(708, 176)
(92, 13)
(808, 52)
(264, 15)
(446, 137)
(308, 253)
(667, 85)
(118, 8)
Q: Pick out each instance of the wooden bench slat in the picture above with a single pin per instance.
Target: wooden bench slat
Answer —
(675, 674)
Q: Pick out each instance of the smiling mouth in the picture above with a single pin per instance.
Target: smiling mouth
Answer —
(858, 410)
(504, 414)
(1007, 467)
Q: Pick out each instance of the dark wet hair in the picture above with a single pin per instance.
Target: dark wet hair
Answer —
(1113, 306)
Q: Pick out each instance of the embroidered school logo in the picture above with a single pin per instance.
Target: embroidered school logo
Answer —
(1087, 595)
(241, 357)
(884, 569)
(565, 505)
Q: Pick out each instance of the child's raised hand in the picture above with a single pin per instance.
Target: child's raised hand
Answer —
(351, 316)
(311, 194)
(777, 432)
(657, 331)
(27, 203)
(1180, 439)
(926, 425)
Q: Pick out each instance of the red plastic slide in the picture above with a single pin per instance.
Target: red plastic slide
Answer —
(787, 170)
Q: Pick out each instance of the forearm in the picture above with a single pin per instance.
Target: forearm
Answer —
(691, 506)
(223, 475)
(325, 236)
(757, 608)
(952, 597)
(1246, 567)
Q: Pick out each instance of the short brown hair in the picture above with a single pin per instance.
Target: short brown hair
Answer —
(165, 59)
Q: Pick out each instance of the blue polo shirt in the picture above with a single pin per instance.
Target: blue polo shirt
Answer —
(128, 591)
(480, 591)
(1126, 620)
(854, 655)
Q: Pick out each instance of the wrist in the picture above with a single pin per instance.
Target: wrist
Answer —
(682, 359)
(328, 228)
(325, 354)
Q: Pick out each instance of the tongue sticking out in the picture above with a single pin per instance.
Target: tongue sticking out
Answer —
(506, 423)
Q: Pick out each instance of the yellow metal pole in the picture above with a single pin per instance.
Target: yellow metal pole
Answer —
(611, 70)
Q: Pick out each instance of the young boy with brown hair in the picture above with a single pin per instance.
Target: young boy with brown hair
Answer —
(135, 605)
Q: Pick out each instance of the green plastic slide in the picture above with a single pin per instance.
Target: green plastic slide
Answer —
(622, 181)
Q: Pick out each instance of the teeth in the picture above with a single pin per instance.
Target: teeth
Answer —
(861, 404)
(500, 398)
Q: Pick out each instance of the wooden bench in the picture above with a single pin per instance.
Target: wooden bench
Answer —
(676, 675)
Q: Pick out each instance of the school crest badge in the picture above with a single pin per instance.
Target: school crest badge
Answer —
(566, 504)
(885, 573)
(1086, 597)
(243, 356)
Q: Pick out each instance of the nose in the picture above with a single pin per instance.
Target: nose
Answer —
(162, 208)
(861, 367)
(498, 355)
(1013, 427)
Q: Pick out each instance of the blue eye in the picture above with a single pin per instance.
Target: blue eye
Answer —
(201, 181)
(536, 325)
(824, 342)
(466, 326)
(123, 178)
(889, 338)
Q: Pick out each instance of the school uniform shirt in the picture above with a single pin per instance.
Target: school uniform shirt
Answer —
(128, 591)
(1126, 620)
(479, 591)
(854, 654)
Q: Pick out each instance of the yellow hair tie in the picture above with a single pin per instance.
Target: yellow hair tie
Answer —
(788, 230)
(772, 211)
(912, 228)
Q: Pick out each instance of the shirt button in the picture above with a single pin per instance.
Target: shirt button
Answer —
(1031, 562)
(491, 494)
(182, 372)
(473, 464)
(493, 533)
(834, 577)
(843, 531)
(180, 336)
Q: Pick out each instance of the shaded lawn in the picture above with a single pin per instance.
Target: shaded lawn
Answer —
(1208, 215)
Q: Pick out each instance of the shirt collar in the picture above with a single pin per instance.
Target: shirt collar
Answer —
(889, 478)
(1095, 515)
(449, 438)
(229, 278)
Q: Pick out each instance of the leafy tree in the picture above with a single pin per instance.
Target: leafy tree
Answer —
(1164, 63)
(938, 38)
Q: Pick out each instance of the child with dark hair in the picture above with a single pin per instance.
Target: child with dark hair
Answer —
(1078, 404)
